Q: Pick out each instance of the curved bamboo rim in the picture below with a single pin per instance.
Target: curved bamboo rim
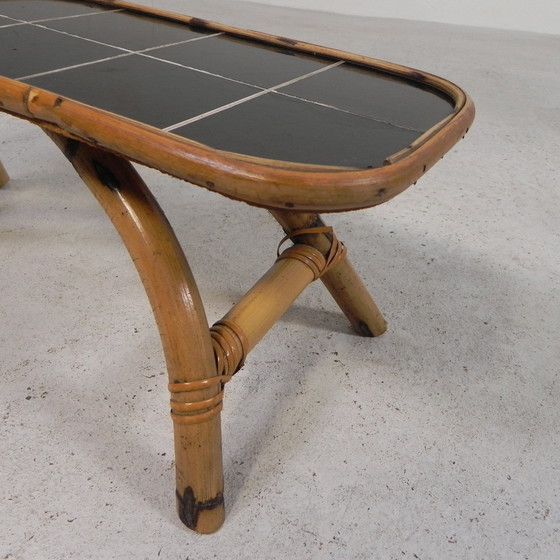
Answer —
(260, 182)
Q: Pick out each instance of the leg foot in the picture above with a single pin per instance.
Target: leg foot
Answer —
(342, 281)
(4, 177)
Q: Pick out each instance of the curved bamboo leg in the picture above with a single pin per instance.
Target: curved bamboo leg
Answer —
(174, 297)
(4, 177)
(342, 281)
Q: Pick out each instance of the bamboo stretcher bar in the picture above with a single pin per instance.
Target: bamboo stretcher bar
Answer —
(261, 307)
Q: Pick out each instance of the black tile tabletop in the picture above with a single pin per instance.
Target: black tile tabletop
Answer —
(242, 60)
(125, 30)
(229, 93)
(147, 90)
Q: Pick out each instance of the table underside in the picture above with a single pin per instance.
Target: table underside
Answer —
(228, 93)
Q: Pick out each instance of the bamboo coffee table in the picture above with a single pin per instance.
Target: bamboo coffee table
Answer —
(291, 127)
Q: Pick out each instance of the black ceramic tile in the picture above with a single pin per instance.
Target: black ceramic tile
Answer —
(33, 10)
(147, 90)
(372, 95)
(245, 61)
(27, 49)
(279, 127)
(127, 30)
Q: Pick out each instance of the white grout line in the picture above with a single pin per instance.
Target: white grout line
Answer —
(36, 24)
(57, 70)
(130, 51)
(12, 23)
(348, 112)
(60, 32)
(250, 97)
(191, 40)
(199, 70)
(34, 21)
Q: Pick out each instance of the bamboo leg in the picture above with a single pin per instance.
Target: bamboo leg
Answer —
(182, 324)
(4, 177)
(342, 281)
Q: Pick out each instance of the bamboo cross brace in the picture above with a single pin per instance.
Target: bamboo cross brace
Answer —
(251, 318)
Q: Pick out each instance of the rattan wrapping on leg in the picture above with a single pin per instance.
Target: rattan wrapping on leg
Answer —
(195, 412)
(230, 346)
(310, 256)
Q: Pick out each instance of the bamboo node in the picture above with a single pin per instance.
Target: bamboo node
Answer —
(313, 258)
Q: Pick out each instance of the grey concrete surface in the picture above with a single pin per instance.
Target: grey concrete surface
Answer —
(438, 440)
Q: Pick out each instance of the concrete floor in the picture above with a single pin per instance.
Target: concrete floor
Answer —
(439, 440)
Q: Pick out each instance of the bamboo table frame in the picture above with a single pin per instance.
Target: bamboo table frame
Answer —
(101, 146)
